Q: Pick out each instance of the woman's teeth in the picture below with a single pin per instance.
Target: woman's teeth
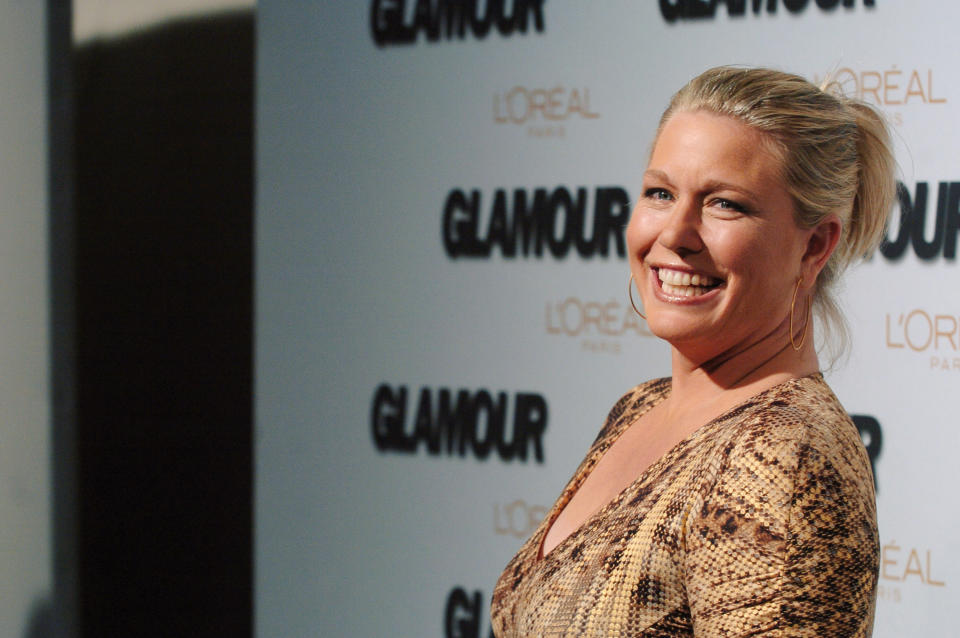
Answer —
(683, 291)
(684, 284)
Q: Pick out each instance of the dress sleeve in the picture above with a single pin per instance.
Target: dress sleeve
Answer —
(785, 543)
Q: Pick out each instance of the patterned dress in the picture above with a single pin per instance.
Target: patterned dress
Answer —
(760, 523)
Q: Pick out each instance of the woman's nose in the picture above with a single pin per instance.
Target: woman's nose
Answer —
(681, 231)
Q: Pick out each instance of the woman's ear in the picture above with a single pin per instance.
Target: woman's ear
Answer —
(821, 243)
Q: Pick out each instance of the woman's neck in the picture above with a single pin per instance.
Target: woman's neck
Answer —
(722, 381)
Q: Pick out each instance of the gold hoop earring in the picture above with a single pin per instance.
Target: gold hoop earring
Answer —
(630, 294)
(793, 305)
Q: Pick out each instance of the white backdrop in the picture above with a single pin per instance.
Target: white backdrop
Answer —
(25, 501)
(363, 145)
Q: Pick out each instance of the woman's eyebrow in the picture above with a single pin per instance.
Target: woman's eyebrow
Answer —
(658, 174)
(709, 186)
(716, 185)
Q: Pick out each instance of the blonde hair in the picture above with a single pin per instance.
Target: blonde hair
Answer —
(836, 159)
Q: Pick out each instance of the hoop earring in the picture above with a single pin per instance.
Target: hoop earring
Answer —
(793, 304)
(630, 294)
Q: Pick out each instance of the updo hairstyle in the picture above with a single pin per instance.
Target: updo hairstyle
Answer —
(835, 156)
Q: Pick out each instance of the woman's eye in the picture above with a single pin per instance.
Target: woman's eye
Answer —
(658, 194)
(726, 204)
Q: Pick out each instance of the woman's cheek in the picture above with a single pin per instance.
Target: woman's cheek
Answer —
(638, 234)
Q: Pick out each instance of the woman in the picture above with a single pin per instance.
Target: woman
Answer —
(735, 497)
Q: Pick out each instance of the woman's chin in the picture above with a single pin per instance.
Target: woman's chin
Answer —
(682, 330)
(673, 331)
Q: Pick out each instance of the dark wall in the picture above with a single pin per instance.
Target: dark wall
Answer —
(163, 126)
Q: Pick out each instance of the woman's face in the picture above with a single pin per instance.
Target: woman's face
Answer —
(714, 247)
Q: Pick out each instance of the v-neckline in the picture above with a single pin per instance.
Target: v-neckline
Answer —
(623, 423)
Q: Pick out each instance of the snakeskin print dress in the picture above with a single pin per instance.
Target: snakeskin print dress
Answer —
(761, 523)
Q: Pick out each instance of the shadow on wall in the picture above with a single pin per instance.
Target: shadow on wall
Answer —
(164, 216)
(43, 621)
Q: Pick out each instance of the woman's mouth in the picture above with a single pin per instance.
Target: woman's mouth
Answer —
(679, 283)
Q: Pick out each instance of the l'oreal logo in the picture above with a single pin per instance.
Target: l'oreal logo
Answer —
(887, 87)
(521, 105)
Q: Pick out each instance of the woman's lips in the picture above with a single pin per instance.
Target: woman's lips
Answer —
(684, 284)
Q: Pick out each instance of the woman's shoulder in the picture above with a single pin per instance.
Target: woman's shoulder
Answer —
(632, 404)
(797, 429)
(640, 398)
(803, 410)
(786, 447)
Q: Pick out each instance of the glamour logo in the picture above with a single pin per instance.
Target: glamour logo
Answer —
(531, 223)
(872, 436)
(542, 111)
(463, 615)
(397, 22)
(455, 423)
(911, 231)
(922, 331)
(517, 519)
(673, 10)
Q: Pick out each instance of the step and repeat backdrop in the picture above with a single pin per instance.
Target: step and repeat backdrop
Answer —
(442, 313)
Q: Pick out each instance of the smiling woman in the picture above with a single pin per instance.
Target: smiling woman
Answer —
(735, 497)
(714, 207)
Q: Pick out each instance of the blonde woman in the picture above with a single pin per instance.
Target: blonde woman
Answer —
(733, 498)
